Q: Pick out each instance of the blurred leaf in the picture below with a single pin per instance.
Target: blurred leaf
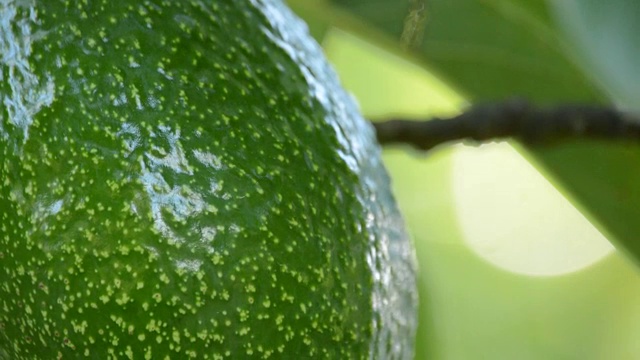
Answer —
(318, 26)
(605, 37)
(490, 49)
(495, 49)
(604, 178)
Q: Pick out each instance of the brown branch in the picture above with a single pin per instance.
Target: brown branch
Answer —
(513, 119)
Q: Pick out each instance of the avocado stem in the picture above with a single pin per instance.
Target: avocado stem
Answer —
(517, 119)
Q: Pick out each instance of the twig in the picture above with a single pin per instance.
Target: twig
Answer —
(513, 119)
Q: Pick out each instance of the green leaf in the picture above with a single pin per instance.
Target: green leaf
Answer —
(605, 38)
(488, 49)
(497, 49)
(604, 178)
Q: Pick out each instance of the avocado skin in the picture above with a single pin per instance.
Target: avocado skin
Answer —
(187, 179)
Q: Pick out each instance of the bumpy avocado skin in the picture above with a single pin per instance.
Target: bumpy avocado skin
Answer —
(187, 179)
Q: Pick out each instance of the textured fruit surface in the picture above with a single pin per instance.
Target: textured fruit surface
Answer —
(187, 179)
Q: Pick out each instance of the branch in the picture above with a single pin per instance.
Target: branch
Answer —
(513, 119)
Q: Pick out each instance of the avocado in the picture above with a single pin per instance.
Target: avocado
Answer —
(187, 179)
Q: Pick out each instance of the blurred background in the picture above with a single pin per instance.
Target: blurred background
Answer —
(524, 253)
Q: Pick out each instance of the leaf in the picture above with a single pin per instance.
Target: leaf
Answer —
(489, 49)
(495, 49)
(604, 178)
(605, 38)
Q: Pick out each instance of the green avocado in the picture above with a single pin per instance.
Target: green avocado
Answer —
(187, 179)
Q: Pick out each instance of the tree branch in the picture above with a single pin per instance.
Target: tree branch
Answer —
(513, 119)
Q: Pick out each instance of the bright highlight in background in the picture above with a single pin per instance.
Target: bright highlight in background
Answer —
(513, 217)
